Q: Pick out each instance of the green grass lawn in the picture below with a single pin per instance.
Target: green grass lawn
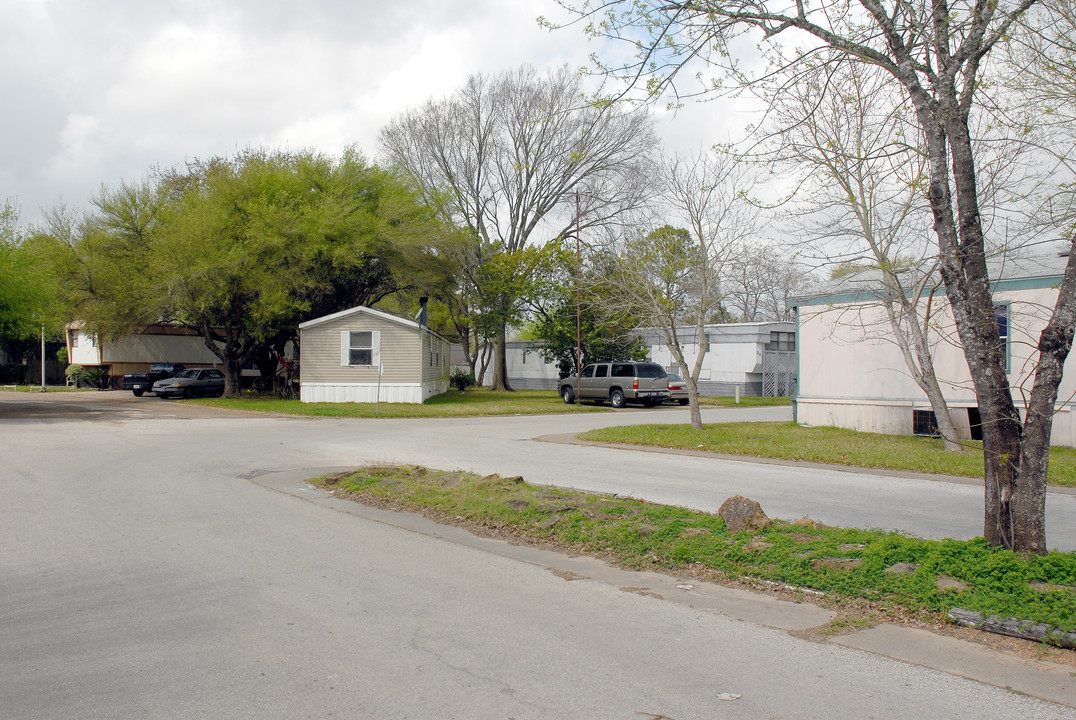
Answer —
(788, 441)
(475, 401)
(48, 388)
(744, 401)
(853, 568)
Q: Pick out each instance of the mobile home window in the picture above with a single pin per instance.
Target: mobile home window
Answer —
(781, 341)
(1001, 312)
(362, 348)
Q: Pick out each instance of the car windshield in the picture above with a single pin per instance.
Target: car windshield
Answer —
(650, 370)
(187, 374)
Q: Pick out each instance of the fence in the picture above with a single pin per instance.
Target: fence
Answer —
(778, 373)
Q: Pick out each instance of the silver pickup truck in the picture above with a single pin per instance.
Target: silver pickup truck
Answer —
(617, 382)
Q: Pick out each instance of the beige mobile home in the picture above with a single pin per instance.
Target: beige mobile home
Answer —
(364, 355)
(135, 352)
(852, 374)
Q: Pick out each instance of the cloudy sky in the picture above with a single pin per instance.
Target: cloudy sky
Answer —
(99, 91)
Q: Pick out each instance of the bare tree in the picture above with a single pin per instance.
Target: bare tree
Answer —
(671, 277)
(520, 157)
(935, 54)
(849, 133)
(709, 191)
(1042, 65)
(759, 281)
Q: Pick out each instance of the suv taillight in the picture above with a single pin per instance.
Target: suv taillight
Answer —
(635, 384)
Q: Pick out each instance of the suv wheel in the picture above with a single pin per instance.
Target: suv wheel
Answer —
(616, 398)
(568, 394)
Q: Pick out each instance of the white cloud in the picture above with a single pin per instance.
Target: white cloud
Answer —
(104, 92)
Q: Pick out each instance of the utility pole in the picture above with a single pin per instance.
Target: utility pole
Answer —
(578, 307)
(42, 358)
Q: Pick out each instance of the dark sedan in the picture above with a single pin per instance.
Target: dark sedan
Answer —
(190, 383)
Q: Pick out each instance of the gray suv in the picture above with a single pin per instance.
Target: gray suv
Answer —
(617, 382)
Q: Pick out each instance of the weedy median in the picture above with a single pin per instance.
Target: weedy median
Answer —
(884, 573)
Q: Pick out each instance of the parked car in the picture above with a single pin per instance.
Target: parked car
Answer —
(140, 383)
(191, 382)
(677, 389)
(617, 382)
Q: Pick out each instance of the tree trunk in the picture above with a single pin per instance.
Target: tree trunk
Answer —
(1055, 344)
(921, 363)
(500, 361)
(693, 404)
(963, 268)
(483, 361)
(233, 373)
(942, 417)
(233, 351)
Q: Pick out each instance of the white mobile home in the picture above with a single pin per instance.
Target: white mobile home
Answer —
(365, 355)
(852, 374)
(754, 358)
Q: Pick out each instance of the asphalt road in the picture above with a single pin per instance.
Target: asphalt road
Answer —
(539, 448)
(144, 575)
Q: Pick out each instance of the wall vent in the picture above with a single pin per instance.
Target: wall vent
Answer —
(924, 423)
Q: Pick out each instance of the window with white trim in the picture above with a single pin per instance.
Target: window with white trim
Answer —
(359, 348)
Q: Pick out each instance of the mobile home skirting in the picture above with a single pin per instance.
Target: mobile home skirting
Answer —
(894, 417)
(368, 392)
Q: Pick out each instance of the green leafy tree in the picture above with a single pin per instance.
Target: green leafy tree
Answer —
(243, 249)
(27, 296)
(582, 304)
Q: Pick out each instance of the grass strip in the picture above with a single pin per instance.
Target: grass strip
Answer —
(788, 441)
(474, 402)
(48, 388)
(855, 569)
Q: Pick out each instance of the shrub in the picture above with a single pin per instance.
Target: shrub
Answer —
(74, 372)
(461, 380)
(95, 377)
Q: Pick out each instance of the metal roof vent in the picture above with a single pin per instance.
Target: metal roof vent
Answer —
(423, 314)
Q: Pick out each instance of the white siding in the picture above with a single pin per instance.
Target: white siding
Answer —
(852, 375)
(368, 392)
(83, 349)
